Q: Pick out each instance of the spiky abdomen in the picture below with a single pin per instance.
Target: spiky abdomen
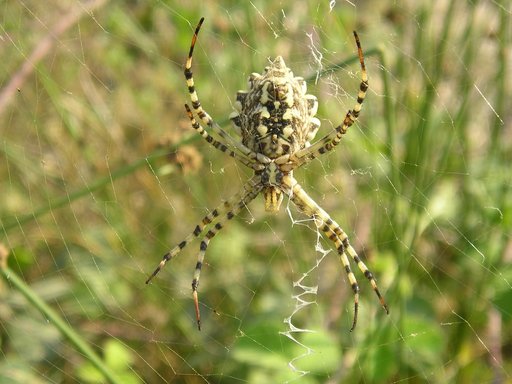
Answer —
(275, 116)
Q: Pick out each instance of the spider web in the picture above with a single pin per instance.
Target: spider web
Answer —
(102, 174)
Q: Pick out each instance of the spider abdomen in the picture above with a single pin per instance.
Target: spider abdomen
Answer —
(275, 116)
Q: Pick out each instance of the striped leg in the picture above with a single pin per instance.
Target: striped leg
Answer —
(334, 232)
(221, 146)
(232, 211)
(211, 218)
(331, 140)
(198, 109)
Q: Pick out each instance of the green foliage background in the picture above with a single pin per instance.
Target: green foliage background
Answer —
(100, 174)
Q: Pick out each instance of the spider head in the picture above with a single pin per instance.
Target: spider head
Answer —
(271, 179)
(273, 197)
(275, 116)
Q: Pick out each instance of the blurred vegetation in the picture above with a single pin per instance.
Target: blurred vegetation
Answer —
(101, 174)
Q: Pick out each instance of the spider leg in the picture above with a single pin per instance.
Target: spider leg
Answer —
(211, 218)
(334, 232)
(331, 140)
(232, 207)
(220, 145)
(203, 115)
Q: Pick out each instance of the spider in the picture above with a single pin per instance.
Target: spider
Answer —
(275, 120)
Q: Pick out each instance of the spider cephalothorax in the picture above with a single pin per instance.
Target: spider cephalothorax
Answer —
(275, 116)
(275, 119)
